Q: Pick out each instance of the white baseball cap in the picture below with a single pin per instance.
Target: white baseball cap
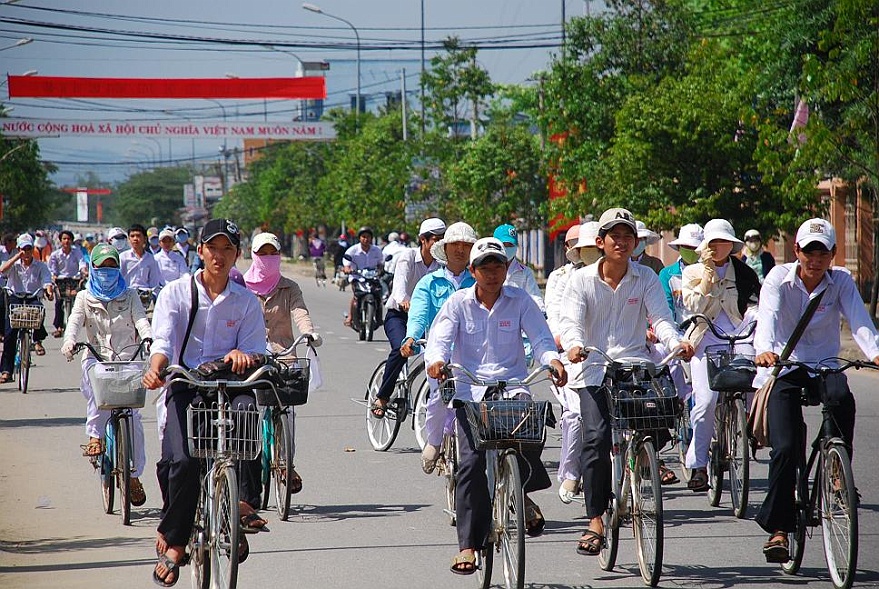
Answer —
(488, 247)
(263, 239)
(690, 235)
(816, 230)
(720, 229)
(24, 240)
(115, 232)
(166, 233)
(433, 225)
(456, 233)
(616, 216)
(752, 233)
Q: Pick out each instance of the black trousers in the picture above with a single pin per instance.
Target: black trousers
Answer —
(787, 436)
(179, 474)
(10, 336)
(595, 465)
(395, 329)
(472, 496)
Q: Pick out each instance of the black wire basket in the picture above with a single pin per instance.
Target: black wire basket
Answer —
(730, 372)
(507, 423)
(643, 404)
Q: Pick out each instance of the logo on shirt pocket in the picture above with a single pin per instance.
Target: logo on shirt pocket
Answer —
(633, 301)
(230, 323)
(505, 324)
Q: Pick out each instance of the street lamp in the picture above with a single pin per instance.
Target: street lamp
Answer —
(27, 73)
(18, 43)
(313, 8)
(159, 145)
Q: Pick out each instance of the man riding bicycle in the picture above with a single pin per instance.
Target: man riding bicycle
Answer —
(139, 267)
(784, 297)
(227, 323)
(66, 263)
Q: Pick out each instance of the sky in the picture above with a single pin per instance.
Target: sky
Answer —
(191, 39)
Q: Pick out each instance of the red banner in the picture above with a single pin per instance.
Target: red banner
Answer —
(61, 87)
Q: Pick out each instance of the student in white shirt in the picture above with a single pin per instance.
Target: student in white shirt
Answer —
(784, 297)
(480, 329)
(172, 263)
(138, 266)
(608, 305)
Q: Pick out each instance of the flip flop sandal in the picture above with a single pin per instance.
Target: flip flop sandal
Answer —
(591, 544)
(295, 482)
(378, 411)
(5, 377)
(247, 524)
(39, 350)
(699, 481)
(667, 475)
(95, 447)
(173, 569)
(464, 564)
(243, 549)
(137, 493)
(535, 522)
(776, 550)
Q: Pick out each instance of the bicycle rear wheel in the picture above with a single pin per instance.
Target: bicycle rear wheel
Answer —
(684, 437)
(122, 470)
(381, 431)
(647, 513)
(104, 468)
(450, 472)
(282, 464)
(739, 457)
(199, 558)
(839, 516)
(717, 458)
(419, 414)
(611, 519)
(225, 530)
(24, 351)
(484, 566)
(509, 514)
(796, 539)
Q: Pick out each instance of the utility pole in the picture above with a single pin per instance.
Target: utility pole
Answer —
(403, 105)
(475, 111)
(423, 123)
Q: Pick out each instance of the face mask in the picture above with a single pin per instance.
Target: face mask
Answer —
(511, 250)
(264, 273)
(106, 284)
(40, 242)
(181, 239)
(753, 246)
(120, 243)
(639, 249)
(688, 256)
(154, 241)
(589, 255)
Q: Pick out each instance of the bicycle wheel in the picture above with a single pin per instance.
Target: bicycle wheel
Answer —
(611, 519)
(199, 559)
(24, 351)
(647, 513)
(122, 470)
(739, 457)
(484, 566)
(282, 464)
(449, 467)
(381, 431)
(509, 513)
(419, 414)
(266, 455)
(839, 516)
(717, 455)
(796, 539)
(369, 319)
(684, 436)
(104, 468)
(225, 530)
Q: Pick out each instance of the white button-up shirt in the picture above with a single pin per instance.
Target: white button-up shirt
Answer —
(783, 300)
(489, 342)
(409, 269)
(232, 321)
(140, 272)
(27, 279)
(555, 290)
(522, 276)
(361, 260)
(615, 321)
(63, 265)
(172, 265)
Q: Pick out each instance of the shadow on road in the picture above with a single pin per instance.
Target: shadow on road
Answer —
(71, 566)
(43, 545)
(323, 513)
(42, 422)
(707, 577)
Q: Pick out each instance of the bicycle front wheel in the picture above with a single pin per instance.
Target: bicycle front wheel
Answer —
(381, 431)
(509, 513)
(839, 516)
(684, 436)
(739, 457)
(224, 530)
(122, 470)
(419, 415)
(647, 513)
(24, 352)
(282, 464)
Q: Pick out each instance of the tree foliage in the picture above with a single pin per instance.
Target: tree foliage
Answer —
(29, 197)
(154, 196)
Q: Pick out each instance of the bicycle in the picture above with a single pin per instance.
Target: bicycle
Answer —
(66, 289)
(825, 492)
(277, 407)
(503, 428)
(731, 372)
(642, 401)
(320, 271)
(117, 386)
(382, 432)
(220, 435)
(26, 317)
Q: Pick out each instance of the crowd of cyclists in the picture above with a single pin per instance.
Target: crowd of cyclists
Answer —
(474, 302)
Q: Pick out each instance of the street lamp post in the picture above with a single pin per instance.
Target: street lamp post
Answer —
(301, 68)
(18, 43)
(159, 145)
(317, 9)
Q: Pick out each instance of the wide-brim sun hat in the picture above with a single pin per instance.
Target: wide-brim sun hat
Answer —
(588, 234)
(455, 233)
(644, 233)
(263, 239)
(690, 235)
(720, 229)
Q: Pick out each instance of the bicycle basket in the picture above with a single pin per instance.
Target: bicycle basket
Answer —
(644, 404)
(117, 385)
(729, 372)
(291, 383)
(243, 432)
(26, 316)
(507, 423)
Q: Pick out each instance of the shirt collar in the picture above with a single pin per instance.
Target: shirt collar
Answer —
(793, 279)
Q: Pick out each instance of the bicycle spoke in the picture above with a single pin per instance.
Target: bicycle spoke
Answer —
(839, 517)
(647, 513)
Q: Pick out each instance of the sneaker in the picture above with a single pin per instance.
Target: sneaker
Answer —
(429, 456)
(569, 490)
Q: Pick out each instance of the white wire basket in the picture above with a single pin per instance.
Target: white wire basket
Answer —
(26, 316)
(242, 434)
(118, 385)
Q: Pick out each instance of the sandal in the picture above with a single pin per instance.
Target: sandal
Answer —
(699, 481)
(666, 475)
(776, 549)
(567, 494)
(173, 569)
(295, 482)
(464, 564)
(534, 520)
(378, 410)
(39, 350)
(591, 543)
(136, 492)
(5, 377)
(429, 457)
(250, 523)
(95, 447)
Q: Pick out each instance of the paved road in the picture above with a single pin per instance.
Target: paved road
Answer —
(364, 519)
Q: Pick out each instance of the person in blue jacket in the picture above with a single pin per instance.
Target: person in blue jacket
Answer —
(689, 238)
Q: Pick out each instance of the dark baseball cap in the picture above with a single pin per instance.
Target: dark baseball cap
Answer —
(216, 227)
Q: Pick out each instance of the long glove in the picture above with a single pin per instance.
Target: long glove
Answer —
(709, 275)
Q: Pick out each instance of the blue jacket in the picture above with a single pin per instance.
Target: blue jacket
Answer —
(429, 295)
(670, 277)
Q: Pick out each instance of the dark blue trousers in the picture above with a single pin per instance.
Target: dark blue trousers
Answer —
(395, 329)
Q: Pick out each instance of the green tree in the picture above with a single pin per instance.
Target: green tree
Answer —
(154, 194)
(27, 192)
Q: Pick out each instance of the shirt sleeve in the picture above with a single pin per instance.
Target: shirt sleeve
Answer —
(402, 275)
(767, 313)
(863, 331)
(658, 312)
(573, 312)
(553, 296)
(167, 315)
(442, 335)
(534, 290)
(252, 335)
(45, 276)
(419, 309)
(536, 328)
(665, 281)
(155, 279)
(300, 312)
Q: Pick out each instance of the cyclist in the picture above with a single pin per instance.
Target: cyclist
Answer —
(153, 246)
(363, 255)
(723, 288)
(281, 299)
(410, 267)
(689, 238)
(392, 250)
(42, 246)
(172, 264)
(480, 329)
(182, 245)
(431, 292)
(67, 262)
(7, 250)
(228, 323)
(646, 237)
(112, 318)
(607, 305)
(785, 295)
(138, 266)
(317, 247)
(755, 256)
(518, 274)
(117, 237)
(23, 274)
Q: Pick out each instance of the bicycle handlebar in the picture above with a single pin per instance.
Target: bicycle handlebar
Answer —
(661, 364)
(475, 380)
(180, 374)
(720, 334)
(79, 346)
(291, 351)
(822, 369)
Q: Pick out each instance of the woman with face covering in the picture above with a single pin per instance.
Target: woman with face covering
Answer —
(724, 289)
(282, 304)
(111, 318)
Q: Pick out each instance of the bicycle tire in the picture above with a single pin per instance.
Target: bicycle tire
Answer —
(612, 517)
(419, 414)
(199, 539)
(450, 472)
(684, 433)
(796, 540)
(509, 510)
(122, 470)
(839, 515)
(25, 353)
(105, 480)
(266, 456)
(361, 332)
(739, 458)
(282, 464)
(484, 566)
(225, 530)
(716, 463)
(369, 319)
(647, 516)
(381, 431)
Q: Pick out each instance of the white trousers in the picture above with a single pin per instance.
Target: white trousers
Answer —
(569, 423)
(439, 418)
(702, 413)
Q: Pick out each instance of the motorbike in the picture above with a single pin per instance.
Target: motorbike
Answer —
(367, 288)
